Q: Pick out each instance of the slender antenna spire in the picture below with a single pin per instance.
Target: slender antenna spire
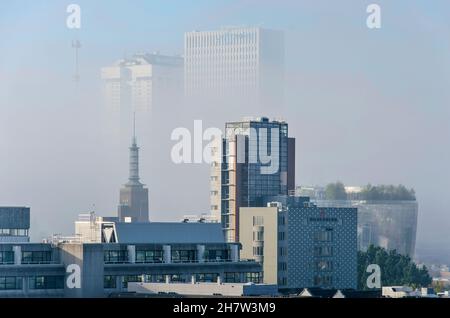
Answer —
(134, 127)
(134, 157)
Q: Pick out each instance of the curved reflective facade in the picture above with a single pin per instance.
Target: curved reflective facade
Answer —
(388, 224)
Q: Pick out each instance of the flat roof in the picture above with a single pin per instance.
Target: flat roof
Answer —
(169, 232)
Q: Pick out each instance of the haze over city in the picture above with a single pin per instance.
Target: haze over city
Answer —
(365, 106)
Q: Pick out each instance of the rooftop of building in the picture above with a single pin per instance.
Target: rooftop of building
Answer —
(229, 28)
(154, 58)
(169, 232)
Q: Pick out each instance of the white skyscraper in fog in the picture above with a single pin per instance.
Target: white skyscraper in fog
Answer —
(148, 84)
(245, 62)
(141, 82)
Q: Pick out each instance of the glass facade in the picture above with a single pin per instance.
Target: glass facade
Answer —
(216, 255)
(388, 224)
(14, 232)
(119, 256)
(149, 256)
(10, 283)
(7, 257)
(206, 278)
(46, 282)
(260, 150)
(109, 282)
(184, 256)
(36, 257)
(131, 278)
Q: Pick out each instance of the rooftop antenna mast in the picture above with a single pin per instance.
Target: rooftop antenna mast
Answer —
(134, 127)
(76, 45)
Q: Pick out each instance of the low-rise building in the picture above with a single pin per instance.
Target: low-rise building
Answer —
(99, 270)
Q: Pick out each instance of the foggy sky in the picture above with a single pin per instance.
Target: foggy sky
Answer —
(364, 105)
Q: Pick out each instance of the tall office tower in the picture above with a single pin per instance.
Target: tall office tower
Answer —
(14, 225)
(143, 82)
(301, 245)
(236, 62)
(133, 205)
(257, 160)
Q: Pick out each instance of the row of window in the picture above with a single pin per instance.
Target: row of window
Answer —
(37, 257)
(28, 257)
(110, 281)
(157, 256)
(36, 282)
(13, 232)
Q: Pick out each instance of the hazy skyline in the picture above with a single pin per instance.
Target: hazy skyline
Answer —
(364, 105)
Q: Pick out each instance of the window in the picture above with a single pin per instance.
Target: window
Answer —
(13, 232)
(153, 256)
(323, 251)
(255, 278)
(216, 255)
(131, 278)
(114, 257)
(258, 235)
(258, 220)
(46, 282)
(324, 235)
(323, 265)
(183, 256)
(323, 280)
(36, 257)
(281, 236)
(258, 251)
(155, 278)
(10, 283)
(282, 266)
(207, 278)
(282, 281)
(225, 221)
(232, 277)
(7, 257)
(109, 282)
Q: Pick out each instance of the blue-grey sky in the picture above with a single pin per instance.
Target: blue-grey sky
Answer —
(365, 105)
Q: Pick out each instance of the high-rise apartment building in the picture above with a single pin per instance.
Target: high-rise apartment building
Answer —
(142, 81)
(244, 62)
(301, 245)
(256, 159)
(133, 205)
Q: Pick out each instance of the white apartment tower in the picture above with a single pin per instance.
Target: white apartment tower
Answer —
(244, 62)
(141, 82)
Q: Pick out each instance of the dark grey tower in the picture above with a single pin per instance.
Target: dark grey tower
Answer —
(133, 195)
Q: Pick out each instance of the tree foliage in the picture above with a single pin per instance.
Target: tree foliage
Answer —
(387, 192)
(335, 191)
(396, 269)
